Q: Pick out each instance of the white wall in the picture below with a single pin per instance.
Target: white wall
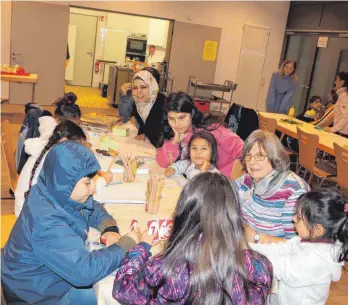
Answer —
(230, 16)
(6, 9)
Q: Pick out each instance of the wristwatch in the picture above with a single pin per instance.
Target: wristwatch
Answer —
(256, 237)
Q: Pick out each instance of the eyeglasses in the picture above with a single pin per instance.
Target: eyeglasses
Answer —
(257, 157)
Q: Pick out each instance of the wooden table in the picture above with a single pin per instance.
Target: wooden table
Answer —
(326, 139)
(30, 79)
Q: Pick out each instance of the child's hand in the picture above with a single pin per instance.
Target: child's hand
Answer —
(146, 238)
(108, 176)
(110, 238)
(205, 166)
(135, 235)
(169, 172)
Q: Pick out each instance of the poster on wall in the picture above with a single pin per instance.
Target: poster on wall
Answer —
(210, 50)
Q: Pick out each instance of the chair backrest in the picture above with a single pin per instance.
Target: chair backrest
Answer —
(342, 165)
(9, 154)
(267, 124)
(307, 144)
(237, 170)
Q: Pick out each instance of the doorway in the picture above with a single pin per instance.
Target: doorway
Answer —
(84, 28)
(316, 66)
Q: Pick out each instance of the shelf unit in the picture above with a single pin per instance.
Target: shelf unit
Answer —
(228, 86)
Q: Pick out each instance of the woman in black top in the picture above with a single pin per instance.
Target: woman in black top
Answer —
(147, 108)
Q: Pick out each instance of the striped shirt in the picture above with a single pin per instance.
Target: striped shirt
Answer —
(271, 214)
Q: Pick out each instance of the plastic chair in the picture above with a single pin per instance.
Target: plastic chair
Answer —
(342, 166)
(308, 144)
(237, 170)
(9, 154)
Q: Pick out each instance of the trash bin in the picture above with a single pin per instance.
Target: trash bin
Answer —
(104, 90)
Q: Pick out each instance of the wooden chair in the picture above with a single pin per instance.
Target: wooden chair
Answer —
(270, 125)
(9, 154)
(342, 166)
(267, 124)
(308, 144)
(237, 170)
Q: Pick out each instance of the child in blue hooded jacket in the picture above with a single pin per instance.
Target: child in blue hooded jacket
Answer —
(45, 260)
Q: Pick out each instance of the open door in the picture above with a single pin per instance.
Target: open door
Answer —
(186, 55)
(39, 44)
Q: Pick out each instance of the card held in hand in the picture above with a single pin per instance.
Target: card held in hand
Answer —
(153, 228)
(133, 225)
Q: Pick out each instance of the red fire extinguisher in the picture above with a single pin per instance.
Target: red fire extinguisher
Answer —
(96, 66)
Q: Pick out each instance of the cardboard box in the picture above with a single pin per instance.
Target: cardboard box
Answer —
(98, 123)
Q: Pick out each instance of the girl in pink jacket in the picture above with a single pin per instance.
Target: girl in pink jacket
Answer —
(184, 120)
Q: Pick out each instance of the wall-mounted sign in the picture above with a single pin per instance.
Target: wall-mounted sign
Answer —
(322, 42)
(210, 49)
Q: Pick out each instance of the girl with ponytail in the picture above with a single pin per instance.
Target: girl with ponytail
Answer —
(67, 130)
(66, 108)
(184, 120)
(306, 264)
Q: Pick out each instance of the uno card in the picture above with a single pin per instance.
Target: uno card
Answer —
(103, 241)
(162, 232)
(165, 228)
(153, 228)
(133, 225)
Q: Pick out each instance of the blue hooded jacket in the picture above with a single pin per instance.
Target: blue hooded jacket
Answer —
(46, 255)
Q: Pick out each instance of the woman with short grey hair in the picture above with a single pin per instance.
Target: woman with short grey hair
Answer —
(269, 190)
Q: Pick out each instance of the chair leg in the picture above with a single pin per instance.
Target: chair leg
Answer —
(322, 181)
(298, 169)
(310, 179)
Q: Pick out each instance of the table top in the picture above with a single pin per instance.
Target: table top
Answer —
(32, 78)
(326, 139)
(124, 213)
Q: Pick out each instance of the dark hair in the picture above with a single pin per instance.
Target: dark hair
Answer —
(208, 237)
(314, 98)
(182, 102)
(343, 76)
(325, 207)
(91, 175)
(154, 72)
(46, 113)
(66, 129)
(212, 143)
(66, 109)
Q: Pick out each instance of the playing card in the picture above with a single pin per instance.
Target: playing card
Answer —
(165, 228)
(133, 225)
(153, 228)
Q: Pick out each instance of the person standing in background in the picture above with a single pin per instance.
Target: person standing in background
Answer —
(282, 87)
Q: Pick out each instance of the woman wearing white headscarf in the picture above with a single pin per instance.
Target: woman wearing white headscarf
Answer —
(147, 108)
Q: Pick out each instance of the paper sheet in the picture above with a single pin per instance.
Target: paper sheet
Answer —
(210, 49)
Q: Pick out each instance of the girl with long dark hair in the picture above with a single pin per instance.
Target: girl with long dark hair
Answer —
(206, 260)
(184, 120)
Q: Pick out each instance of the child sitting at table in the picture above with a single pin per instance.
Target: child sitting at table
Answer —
(45, 260)
(310, 114)
(306, 264)
(206, 260)
(38, 148)
(202, 157)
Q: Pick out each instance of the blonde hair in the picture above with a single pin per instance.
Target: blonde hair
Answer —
(271, 145)
(293, 74)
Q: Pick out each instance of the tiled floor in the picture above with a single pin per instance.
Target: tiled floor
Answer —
(88, 97)
(338, 291)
